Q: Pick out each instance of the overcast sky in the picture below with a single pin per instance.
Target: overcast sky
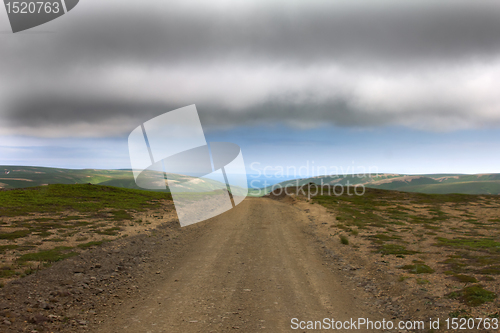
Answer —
(383, 73)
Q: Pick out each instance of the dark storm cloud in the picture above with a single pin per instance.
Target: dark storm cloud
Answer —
(118, 118)
(65, 78)
(390, 33)
(57, 110)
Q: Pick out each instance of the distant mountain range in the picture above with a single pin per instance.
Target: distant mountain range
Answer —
(432, 184)
(24, 176)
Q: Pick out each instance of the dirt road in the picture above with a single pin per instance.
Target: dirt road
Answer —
(254, 268)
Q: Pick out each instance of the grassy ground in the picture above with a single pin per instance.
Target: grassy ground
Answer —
(80, 198)
(450, 243)
(45, 224)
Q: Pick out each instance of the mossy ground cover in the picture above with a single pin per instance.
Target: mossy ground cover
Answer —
(464, 278)
(471, 243)
(474, 295)
(15, 234)
(52, 255)
(81, 198)
(344, 240)
(453, 238)
(92, 244)
(50, 223)
(394, 249)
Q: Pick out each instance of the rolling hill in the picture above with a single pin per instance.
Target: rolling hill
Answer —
(12, 177)
(432, 183)
(25, 176)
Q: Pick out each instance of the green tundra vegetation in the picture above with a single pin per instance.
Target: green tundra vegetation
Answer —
(43, 224)
(453, 236)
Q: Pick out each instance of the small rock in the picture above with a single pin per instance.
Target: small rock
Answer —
(37, 319)
(46, 306)
(53, 317)
(7, 322)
